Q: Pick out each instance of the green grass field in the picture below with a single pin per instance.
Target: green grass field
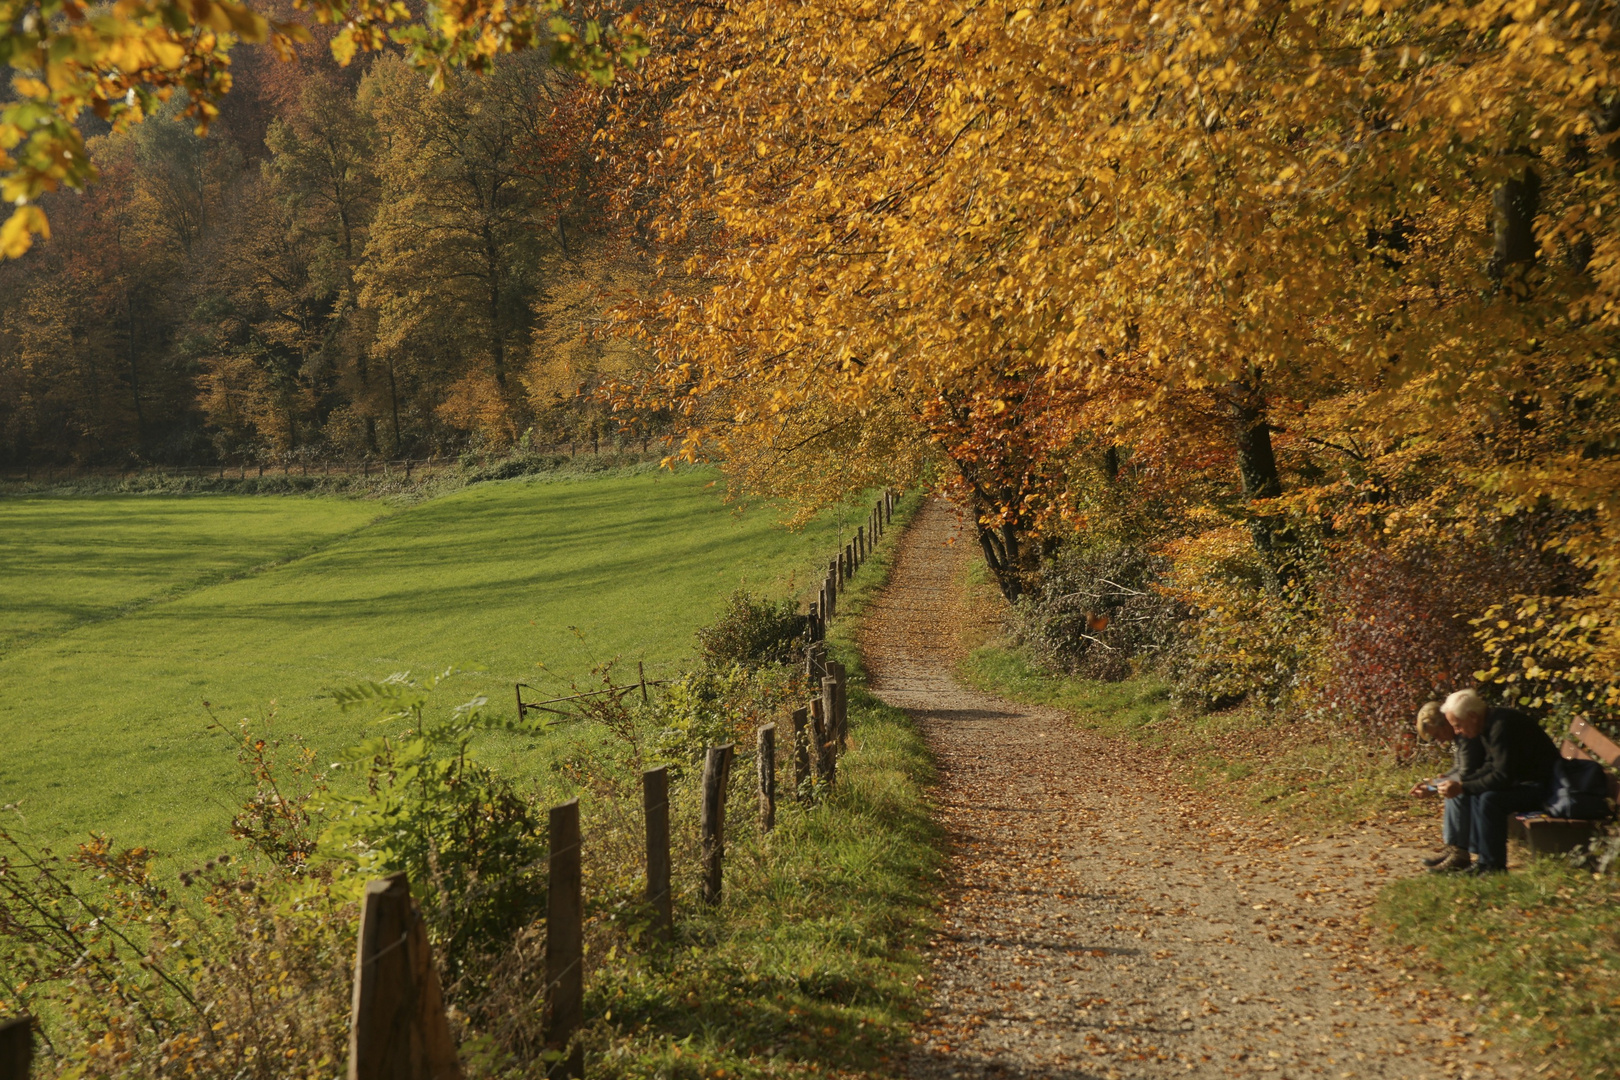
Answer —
(127, 613)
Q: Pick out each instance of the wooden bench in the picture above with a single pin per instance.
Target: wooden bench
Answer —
(1544, 835)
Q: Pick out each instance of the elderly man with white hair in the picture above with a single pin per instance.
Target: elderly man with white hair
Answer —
(1517, 774)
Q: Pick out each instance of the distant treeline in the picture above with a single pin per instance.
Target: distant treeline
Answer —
(348, 265)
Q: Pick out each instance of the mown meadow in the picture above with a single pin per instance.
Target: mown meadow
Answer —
(229, 950)
(132, 622)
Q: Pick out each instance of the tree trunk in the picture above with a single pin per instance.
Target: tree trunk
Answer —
(135, 375)
(1515, 204)
(1000, 548)
(1256, 460)
(492, 263)
(393, 399)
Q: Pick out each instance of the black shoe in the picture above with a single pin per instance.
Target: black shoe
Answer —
(1481, 870)
(1458, 862)
(1445, 853)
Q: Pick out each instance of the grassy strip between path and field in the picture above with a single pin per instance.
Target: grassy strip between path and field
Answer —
(1536, 951)
(812, 963)
(1308, 781)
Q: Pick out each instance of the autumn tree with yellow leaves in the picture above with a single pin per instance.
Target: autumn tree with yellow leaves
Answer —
(1361, 254)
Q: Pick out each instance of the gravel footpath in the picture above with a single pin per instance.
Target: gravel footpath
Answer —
(1100, 921)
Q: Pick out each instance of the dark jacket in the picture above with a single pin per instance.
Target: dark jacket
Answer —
(1467, 758)
(1517, 751)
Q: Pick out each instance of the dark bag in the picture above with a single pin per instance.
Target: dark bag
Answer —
(1580, 790)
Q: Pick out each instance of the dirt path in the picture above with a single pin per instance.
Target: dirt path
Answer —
(1099, 922)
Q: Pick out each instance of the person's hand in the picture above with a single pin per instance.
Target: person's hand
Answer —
(1423, 789)
(1450, 789)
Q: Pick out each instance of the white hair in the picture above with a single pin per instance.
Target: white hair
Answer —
(1464, 705)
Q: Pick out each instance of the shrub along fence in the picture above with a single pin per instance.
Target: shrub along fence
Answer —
(398, 1025)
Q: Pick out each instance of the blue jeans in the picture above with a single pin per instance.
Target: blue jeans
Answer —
(1491, 810)
(1458, 825)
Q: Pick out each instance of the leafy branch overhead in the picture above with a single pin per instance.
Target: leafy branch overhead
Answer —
(120, 62)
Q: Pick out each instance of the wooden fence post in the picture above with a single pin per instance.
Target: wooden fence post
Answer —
(766, 774)
(829, 705)
(565, 943)
(397, 1026)
(818, 740)
(860, 542)
(801, 753)
(840, 704)
(16, 1048)
(716, 774)
(826, 742)
(655, 808)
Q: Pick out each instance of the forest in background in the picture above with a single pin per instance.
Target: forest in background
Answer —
(347, 265)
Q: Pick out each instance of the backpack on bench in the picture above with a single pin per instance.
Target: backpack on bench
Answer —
(1580, 790)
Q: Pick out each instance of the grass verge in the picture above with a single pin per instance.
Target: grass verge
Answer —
(812, 963)
(383, 481)
(1306, 780)
(1536, 952)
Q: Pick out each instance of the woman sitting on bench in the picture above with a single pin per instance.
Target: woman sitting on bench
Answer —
(1467, 756)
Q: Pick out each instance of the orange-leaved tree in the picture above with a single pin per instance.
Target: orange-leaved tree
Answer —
(1391, 219)
(120, 61)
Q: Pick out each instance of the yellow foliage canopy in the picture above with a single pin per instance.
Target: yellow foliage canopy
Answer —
(1007, 230)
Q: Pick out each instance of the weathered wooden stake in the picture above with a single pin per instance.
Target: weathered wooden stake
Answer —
(840, 713)
(860, 542)
(16, 1048)
(829, 705)
(818, 741)
(716, 774)
(565, 942)
(397, 1024)
(821, 711)
(641, 670)
(765, 773)
(801, 753)
(655, 807)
